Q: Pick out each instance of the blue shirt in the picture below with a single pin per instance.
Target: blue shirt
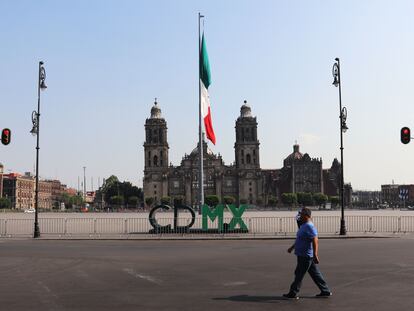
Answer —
(304, 237)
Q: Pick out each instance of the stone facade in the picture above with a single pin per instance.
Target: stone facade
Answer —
(20, 189)
(244, 179)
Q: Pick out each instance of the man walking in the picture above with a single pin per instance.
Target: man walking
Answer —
(306, 250)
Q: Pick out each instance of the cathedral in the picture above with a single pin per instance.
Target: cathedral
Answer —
(244, 179)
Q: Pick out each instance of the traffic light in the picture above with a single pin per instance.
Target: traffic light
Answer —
(5, 136)
(405, 135)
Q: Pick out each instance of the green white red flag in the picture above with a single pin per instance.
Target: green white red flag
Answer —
(205, 81)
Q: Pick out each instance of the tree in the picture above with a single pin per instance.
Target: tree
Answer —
(305, 198)
(76, 200)
(289, 198)
(5, 203)
(117, 200)
(133, 200)
(272, 201)
(56, 205)
(320, 198)
(334, 200)
(178, 200)
(228, 199)
(113, 187)
(166, 200)
(149, 201)
(212, 200)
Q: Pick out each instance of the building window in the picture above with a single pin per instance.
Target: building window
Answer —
(248, 159)
(254, 151)
(176, 184)
(155, 186)
(155, 160)
(155, 138)
(229, 183)
(250, 183)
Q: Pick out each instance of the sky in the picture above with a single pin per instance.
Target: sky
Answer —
(106, 61)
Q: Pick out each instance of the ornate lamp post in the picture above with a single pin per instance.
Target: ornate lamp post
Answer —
(336, 72)
(35, 131)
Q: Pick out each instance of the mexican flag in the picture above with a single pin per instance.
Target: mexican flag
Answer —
(205, 81)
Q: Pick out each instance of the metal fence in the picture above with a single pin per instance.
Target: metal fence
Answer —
(269, 226)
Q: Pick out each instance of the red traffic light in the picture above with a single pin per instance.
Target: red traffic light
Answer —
(5, 136)
(405, 135)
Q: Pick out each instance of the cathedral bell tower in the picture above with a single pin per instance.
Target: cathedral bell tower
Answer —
(247, 144)
(247, 157)
(156, 155)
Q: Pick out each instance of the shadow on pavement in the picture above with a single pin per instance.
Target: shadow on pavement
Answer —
(248, 298)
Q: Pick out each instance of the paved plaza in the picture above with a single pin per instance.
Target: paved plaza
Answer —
(364, 274)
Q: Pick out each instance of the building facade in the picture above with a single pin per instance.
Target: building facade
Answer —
(391, 194)
(20, 190)
(244, 179)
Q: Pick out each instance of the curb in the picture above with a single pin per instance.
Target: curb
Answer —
(207, 238)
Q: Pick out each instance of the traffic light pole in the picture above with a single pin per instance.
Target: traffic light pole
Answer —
(36, 233)
(342, 127)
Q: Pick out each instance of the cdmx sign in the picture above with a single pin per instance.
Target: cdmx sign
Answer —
(206, 214)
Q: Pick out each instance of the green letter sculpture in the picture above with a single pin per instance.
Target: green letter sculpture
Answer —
(212, 214)
(237, 213)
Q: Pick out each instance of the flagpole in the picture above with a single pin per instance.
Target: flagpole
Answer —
(200, 128)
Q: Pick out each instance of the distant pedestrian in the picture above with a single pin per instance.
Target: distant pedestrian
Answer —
(306, 250)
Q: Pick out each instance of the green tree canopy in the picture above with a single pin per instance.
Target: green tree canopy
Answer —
(5, 203)
(305, 198)
(211, 200)
(228, 199)
(178, 200)
(133, 200)
(334, 200)
(149, 201)
(289, 198)
(166, 200)
(113, 187)
(320, 198)
(117, 200)
(272, 201)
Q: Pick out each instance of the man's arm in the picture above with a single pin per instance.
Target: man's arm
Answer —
(290, 249)
(315, 244)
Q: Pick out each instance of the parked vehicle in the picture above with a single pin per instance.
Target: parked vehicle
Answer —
(29, 210)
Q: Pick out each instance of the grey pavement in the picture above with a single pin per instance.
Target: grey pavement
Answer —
(364, 274)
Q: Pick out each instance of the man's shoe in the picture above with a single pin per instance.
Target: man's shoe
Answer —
(324, 295)
(290, 296)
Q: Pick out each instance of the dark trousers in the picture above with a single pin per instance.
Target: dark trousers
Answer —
(306, 264)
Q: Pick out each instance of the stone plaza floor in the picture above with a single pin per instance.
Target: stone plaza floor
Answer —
(364, 274)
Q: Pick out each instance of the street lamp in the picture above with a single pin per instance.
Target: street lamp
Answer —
(35, 132)
(336, 72)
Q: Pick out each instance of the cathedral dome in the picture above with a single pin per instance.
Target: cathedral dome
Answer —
(205, 148)
(245, 111)
(295, 155)
(155, 111)
(195, 151)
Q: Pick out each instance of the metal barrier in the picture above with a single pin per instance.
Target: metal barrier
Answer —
(270, 226)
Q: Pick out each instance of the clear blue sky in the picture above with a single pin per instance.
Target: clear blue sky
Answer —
(107, 60)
